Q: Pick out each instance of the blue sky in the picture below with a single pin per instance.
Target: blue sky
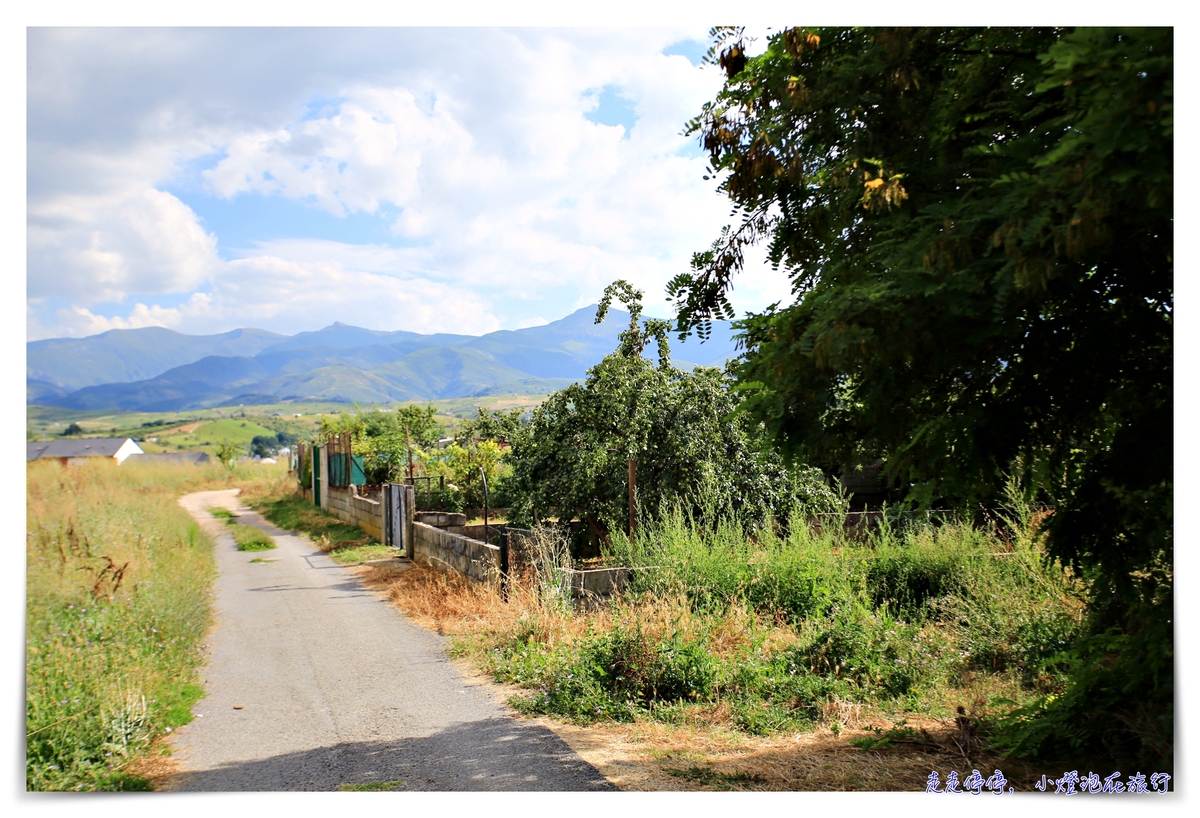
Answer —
(426, 179)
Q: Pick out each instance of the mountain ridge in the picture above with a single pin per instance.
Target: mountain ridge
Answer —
(340, 362)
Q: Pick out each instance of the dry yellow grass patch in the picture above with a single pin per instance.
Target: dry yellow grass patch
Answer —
(158, 766)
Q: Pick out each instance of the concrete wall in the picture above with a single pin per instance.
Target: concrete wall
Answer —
(441, 519)
(475, 532)
(447, 551)
(348, 506)
(594, 586)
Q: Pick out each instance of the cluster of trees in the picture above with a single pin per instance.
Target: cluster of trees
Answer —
(269, 445)
(411, 441)
(978, 225)
(392, 443)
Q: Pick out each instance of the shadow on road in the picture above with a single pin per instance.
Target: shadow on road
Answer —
(489, 755)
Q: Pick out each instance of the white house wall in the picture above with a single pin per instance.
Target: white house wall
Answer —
(127, 448)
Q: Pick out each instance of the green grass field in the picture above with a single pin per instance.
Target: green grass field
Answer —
(301, 419)
(208, 436)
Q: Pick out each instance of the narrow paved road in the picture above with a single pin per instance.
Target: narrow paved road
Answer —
(314, 682)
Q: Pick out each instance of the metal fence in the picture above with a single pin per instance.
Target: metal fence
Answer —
(423, 488)
(345, 467)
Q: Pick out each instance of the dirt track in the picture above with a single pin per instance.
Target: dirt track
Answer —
(314, 683)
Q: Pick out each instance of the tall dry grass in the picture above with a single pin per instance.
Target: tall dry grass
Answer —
(118, 579)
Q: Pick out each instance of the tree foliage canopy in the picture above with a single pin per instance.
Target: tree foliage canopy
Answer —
(978, 227)
(494, 425)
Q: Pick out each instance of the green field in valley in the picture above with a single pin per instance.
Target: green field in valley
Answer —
(203, 430)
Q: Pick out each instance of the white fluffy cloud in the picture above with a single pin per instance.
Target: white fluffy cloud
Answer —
(279, 294)
(95, 248)
(370, 151)
(505, 203)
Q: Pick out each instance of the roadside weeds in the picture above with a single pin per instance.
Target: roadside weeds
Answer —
(703, 755)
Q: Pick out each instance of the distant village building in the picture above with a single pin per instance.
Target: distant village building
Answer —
(80, 450)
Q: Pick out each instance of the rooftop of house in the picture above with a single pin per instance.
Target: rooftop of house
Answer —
(172, 457)
(77, 447)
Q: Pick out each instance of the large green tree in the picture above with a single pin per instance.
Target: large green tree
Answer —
(978, 227)
(691, 447)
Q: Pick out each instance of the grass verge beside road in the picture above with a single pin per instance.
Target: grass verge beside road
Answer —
(344, 543)
(118, 578)
(246, 537)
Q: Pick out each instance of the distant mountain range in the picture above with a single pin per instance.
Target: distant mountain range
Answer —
(155, 369)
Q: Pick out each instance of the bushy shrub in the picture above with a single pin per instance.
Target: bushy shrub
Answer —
(906, 571)
(1116, 703)
(772, 693)
(612, 674)
(877, 655)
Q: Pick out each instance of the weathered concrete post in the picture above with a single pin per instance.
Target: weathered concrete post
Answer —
(505, 551)
(410, 510)
(324, 477)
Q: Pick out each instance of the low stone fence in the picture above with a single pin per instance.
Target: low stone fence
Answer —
(349, 506)
(448, 551)
(594, 586)
(443, 541)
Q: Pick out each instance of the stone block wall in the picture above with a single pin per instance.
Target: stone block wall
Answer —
(446, 551)
(347, 505)
(599, 582)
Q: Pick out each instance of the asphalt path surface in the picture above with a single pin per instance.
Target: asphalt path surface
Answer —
(314, 682)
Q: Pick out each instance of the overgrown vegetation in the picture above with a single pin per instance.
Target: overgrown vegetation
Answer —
(978, 225)
(117, 582)
(775, 631)
(785, 631)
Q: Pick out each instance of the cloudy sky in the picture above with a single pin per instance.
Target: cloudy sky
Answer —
(427, 179)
